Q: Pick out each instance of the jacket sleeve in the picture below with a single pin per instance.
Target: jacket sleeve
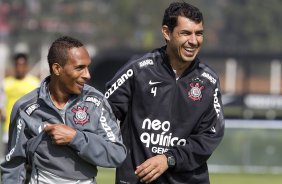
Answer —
(104, 148)
(204, 140)
(13, 167)
(119, 91)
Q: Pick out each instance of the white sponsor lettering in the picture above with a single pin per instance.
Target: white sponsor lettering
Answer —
(208, 76)
(146, 63)
(8, 156)
(31, 108)
(159, 150)
(216, 104)
(119, 82)
(159, 141)
(106, 127)
(19, 128)
(94, 100)
(156, 125)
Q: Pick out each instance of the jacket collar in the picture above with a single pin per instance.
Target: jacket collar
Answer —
(44, 93)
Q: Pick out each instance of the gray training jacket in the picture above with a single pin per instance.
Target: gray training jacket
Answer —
(97, 142)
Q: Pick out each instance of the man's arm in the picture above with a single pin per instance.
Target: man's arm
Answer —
(119, 91)
(204, 140)
(104, 148)
(13, 168)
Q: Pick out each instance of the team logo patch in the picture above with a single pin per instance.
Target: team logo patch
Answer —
(195, 92)
(81, 116)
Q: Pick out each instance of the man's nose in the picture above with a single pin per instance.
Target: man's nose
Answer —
(86, 74)
(192, 39)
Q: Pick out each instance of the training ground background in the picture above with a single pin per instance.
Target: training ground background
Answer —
(107, 176)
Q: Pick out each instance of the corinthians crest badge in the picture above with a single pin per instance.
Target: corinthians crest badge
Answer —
(81, 116)
(195, 92)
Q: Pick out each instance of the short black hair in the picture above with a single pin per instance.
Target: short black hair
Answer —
(184, 9)
(20, 55)
(58, 52)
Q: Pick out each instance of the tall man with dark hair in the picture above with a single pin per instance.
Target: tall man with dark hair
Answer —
(169, 105)
(65, 128)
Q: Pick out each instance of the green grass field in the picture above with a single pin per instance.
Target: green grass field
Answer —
(107, 176)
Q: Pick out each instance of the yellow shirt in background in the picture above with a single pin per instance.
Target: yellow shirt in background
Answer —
(15, 89)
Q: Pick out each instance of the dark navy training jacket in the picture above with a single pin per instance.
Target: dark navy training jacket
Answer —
(160, 114)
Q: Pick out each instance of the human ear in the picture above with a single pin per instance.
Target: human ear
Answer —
(166, 32)
(56, 67)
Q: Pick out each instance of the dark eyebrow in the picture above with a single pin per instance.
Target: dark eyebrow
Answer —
(200, 31)
(185, 31)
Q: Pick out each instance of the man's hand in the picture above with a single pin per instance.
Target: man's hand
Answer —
(60, 134)
(152, 168)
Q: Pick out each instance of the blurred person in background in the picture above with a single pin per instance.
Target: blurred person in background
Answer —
(64, 129)
(169, 106)
(2, 103)
(15, 87)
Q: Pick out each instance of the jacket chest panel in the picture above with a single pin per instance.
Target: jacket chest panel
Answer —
(80, 116)
(163, 101)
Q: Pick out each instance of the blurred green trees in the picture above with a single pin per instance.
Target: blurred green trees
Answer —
(230, 26)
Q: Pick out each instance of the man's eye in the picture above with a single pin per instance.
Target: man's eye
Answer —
(78, 68)
(185, 33)
(199, 33)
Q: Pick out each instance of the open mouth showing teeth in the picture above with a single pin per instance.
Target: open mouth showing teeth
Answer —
(190, 49)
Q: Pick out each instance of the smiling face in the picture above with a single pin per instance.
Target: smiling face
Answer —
(74, 74)
(185, 41)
